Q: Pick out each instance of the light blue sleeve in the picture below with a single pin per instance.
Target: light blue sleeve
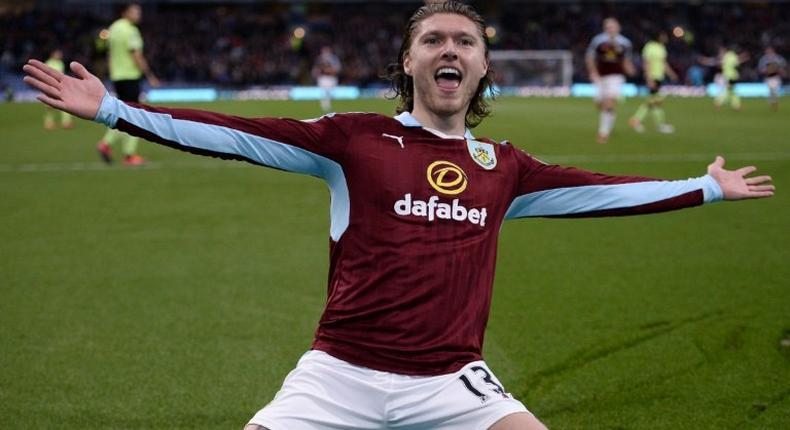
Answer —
(579, 200)
(213, 138)
(209, 138)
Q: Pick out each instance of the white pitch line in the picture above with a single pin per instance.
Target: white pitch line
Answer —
(559, 159)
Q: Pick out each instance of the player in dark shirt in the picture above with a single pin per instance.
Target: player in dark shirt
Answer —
(417, 204)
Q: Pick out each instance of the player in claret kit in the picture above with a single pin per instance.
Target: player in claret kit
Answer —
(326, 70)
(608, 60)
(773, 67)
(417, 203)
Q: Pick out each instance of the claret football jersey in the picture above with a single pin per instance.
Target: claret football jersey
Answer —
(415, 216)
(610, 53)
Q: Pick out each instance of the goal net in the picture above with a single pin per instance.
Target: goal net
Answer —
(519, 69)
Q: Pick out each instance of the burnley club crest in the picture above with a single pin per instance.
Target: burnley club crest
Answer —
(482, 153)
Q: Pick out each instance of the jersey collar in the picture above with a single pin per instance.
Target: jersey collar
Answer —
(407, 120)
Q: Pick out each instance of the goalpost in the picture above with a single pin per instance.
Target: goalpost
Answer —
(514, 69)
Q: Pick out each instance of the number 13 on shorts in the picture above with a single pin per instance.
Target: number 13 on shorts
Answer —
(479, 381)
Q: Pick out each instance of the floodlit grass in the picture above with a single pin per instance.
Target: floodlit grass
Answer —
(179, 295)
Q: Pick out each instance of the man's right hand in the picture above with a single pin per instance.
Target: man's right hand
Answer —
(80, 95)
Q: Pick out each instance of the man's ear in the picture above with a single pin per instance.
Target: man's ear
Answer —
(485, 69)
(407, 64)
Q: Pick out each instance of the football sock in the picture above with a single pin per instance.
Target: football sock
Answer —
(130, 145)
(606, 122)
(723, 95)
(112, 136)
(48, 118)
(65, 118)
(641, 112)
(658, 115)
(735, 100)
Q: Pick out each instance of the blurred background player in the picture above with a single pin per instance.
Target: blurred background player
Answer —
(55, 61)
(655, 68)
(608, 60)
(326, 70)
(727, 61)
(127, 67)
(773, 68)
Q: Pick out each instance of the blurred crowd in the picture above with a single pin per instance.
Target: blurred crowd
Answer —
(235, 45)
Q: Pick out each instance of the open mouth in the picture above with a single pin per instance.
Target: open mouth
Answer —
(448, 78)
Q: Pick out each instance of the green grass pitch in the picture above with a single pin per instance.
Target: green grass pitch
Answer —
(178, 296)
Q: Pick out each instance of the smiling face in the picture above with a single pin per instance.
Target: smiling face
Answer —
(446, 60)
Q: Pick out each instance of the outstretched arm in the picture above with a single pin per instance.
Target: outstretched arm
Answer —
(287, 144)
(555, 191)
(313, 147)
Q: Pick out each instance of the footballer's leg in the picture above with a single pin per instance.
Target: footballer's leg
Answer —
(104, 146)
(322, 393)
(636, 119)
(606, 119)
(773, 92)
(659, 118)
(735, 99)
(610, 93)
(519, 421)
(721, 82)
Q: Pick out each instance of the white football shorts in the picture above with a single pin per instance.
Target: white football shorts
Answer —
(326, 393)
(609, 87)
(327, 82)
(774, 82)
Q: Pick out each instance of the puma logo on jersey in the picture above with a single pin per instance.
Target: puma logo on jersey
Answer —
(398, 138)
